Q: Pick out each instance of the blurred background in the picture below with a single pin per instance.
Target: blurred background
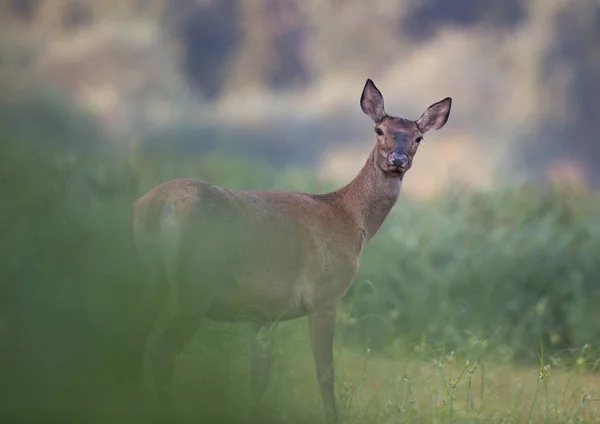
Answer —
(494, 242)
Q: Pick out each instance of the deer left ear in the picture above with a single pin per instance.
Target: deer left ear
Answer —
(436, 116)
(371, 102)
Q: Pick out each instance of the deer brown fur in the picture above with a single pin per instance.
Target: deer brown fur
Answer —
(267, 256)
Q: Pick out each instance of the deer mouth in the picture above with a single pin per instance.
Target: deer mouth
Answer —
(398, 163)
(398, 170)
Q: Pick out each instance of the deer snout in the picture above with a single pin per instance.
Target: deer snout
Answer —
(401, 160)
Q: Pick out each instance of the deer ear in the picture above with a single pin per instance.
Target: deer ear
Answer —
(436, 116)
(371, 102)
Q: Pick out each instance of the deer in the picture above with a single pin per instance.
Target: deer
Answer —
(266, 256)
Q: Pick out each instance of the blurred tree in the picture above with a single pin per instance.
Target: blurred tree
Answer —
(23, 9)
(426, 16)
(256, 53)
(576, 46)
(352, 34)
(573, 62)
(209, 34)
(236, 44)
(61, 15)
(290, 67)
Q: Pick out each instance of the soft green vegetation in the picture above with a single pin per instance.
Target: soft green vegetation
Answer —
(455, 302)
(516, 266)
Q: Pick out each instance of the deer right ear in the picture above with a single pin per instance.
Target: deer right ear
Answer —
(436, 116)
(371, 102)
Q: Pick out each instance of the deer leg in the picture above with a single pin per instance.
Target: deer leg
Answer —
(154, 287)
(321, 326)
(195, 293)
(262, 343)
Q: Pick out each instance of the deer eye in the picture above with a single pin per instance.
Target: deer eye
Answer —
(419, 139)
(378, 131)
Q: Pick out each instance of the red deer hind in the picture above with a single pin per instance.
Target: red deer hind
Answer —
(267, 256)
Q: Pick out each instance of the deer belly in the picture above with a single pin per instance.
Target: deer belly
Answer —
(268, 300)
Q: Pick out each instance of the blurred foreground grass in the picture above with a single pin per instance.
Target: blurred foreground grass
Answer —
(485, 277)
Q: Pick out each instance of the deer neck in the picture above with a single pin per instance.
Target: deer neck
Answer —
(370, 196)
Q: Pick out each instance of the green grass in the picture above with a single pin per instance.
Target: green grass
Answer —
(487, 278)
(446, 388)
(402, 385)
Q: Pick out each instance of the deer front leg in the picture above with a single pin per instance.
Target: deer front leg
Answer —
(262, 343)
(321, 335)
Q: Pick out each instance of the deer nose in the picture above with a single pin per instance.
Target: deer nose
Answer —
(399, 159)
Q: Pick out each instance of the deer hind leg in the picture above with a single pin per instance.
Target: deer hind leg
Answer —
(194, 294)
(262, 344)
(154, 287)
(321, 326)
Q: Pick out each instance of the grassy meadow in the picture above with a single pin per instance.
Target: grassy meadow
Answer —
(468, 308)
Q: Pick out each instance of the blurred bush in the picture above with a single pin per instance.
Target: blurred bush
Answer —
(67, 272)
(516, 267)
(33, 113)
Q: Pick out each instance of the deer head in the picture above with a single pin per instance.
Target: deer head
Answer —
(397, 138)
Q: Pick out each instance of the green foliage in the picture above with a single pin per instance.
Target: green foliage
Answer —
(517, 266)
(31, 112)
(67, 271)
